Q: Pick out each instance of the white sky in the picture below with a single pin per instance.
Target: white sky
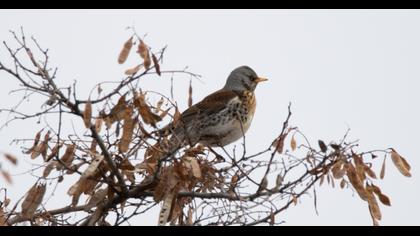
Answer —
(339, 68)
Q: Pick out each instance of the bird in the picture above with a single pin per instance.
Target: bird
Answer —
(220, 118)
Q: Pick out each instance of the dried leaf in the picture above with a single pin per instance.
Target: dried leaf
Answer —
(11, 158)
(156, 64)
(370, 172)
(36, 141)
(159, 105)
(190, 90)
(338, 170)
(41, 149)
(360, 166)
(32, 200)
(294, 199)
(87, 114)
(133, 70)
(51, 165)
(6, 176)
(401, 164)
(143, 50)
(382, 197)
(382, 174)
(355, 181)
(68, 157)
(278, 144)
(98, 125)
(192, 164)
(342, 183)
(322, 146)
(233, 182)
(54, 152)
(116, 113)
(145, 112)
(373, 204)
(128, 128)
(125, 51)
(263, 185)
(2, 218)
(293, 143)
(279, 181)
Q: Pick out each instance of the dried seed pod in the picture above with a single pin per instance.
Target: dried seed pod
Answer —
(125, 51)
(32, 200)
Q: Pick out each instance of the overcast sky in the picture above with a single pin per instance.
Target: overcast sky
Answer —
(339, 68)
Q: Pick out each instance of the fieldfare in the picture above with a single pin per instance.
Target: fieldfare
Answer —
(220, 118)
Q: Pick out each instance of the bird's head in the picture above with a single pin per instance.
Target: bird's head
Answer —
(243, 78)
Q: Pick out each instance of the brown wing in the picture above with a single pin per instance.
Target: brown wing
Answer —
(209, 105)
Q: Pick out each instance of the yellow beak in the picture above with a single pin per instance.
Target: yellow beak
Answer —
(260, 79)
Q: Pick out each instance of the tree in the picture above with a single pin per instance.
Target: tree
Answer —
(123, 169)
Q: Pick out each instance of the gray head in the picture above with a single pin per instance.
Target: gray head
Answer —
(243, 78)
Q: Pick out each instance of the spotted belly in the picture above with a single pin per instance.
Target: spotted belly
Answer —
(228, 126)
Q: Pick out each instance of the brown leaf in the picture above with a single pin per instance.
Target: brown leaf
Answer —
(338, 170)
(6, 176)
(128, 128)
(133, 70)
(401, 164)
(36, 141)
(159, 105)
(32, 200)
(190, 90)
(322, 146)
(192, 164)
(370, 172)
(382, 174)
(87, 114)
(278, 144)
(125, 51)
(143, 50)
(342, 183)
(145, 112)
(51, 165)
(279, 181)
(68, 157)
(355, 181)
(263, 184)
(98, 125)
(294, 199)
(382, 197)
(293, 143)
(233, 182)
(11, 158)
(156, 64)
(360, 166)
(3, 221)
(41, 149)
(373, 204)
(54, 152)
(117, 112)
